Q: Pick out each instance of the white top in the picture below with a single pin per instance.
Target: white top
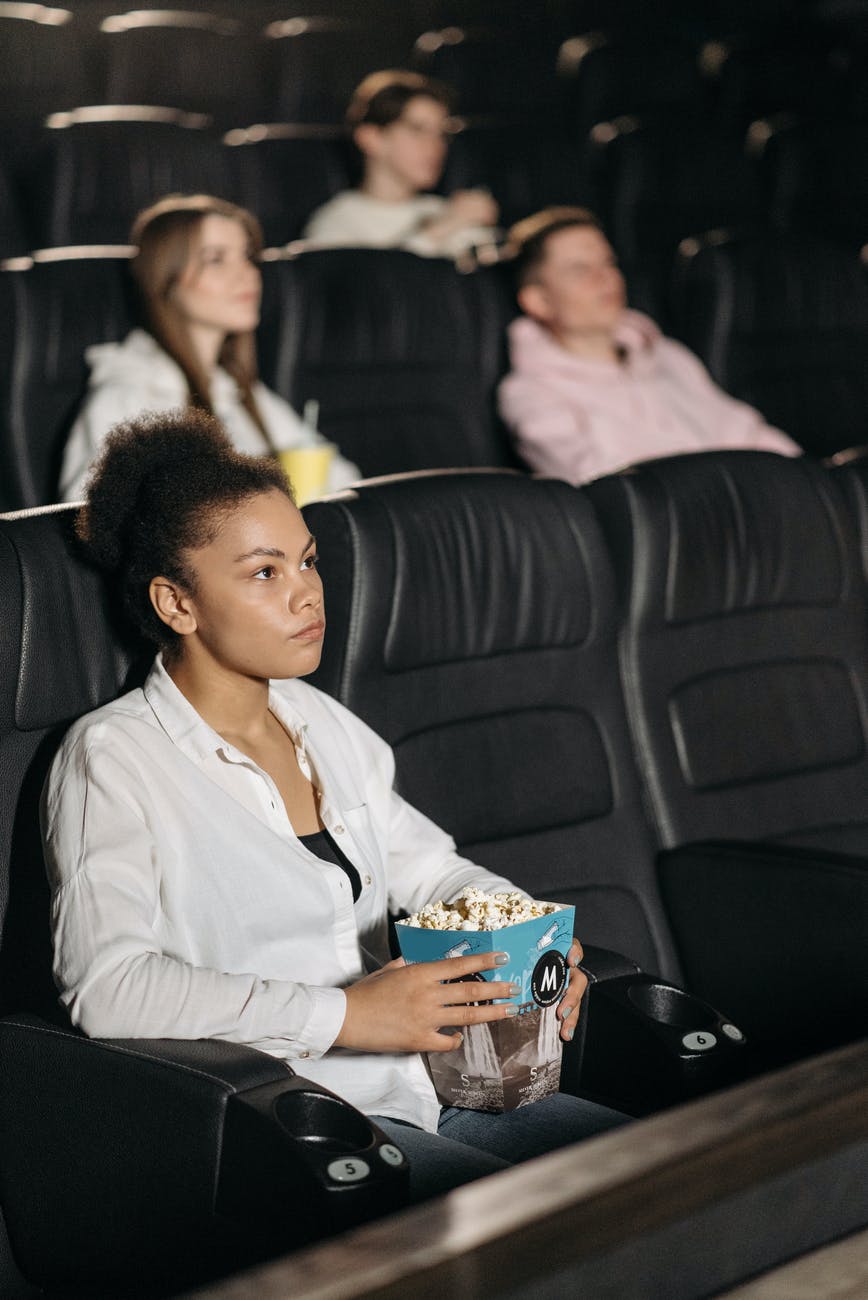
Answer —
(355, 220)
(185, 906)
(129, 378)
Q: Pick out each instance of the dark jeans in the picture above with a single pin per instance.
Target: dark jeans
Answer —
(472, 1143)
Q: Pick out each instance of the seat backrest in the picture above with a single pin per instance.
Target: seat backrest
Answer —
(472, 624)
(781, 322)
(779, 68)
(60, 655)
(194, 60)
(45, 66)
(56, 307)
(814, 177)
(603, 77)
(286, 170)
(317, 62)
(744, 647)
(657, 185)
(402, 353)
(95, 169)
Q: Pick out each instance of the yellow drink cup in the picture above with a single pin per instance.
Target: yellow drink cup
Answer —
(307, 469)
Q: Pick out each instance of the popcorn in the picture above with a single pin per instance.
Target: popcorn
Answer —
(474, 909)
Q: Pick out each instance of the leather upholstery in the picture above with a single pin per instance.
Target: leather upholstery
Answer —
(658, 185)
(744, 647)
(472, 623)
(49, 599)
(796, 345)
(401, 352)
(56, 309)
(88, 180)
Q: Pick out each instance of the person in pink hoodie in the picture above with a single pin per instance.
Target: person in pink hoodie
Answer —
(595, 386)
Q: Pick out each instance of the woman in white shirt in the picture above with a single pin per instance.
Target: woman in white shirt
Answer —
(200, 287)
(225, 843)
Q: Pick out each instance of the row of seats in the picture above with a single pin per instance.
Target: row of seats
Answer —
(646, 698)
(404, 354)
(583, 686)
(304, 68)
(89, 172)
(653, 183)
(632, 697)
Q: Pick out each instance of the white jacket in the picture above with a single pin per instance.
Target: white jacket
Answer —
(129, 378)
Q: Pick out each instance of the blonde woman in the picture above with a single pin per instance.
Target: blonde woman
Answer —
(196, 269)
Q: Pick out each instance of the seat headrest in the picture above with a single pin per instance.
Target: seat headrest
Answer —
(726, 532)
(72, 655)
(472, 565)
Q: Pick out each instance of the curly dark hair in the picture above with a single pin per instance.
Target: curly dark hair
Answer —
(161, 487)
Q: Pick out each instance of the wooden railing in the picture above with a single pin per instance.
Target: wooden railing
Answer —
(682, 1204)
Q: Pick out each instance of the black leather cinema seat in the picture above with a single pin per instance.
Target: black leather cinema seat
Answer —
(743, 656)
(472, 624)
(95, 168)
(401, 352)
(53, 310)
(781, 322)
(128, 1167)
(285, 170)
(744, 647)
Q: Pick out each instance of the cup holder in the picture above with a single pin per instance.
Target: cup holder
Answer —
(323, 1122)
(671, 1006)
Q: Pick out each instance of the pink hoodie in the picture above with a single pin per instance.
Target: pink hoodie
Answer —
(577, 419)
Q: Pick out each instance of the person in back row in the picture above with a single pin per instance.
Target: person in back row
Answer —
(400, 125)
(200, 289)
(595, 386)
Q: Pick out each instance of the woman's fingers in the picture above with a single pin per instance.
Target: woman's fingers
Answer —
(477, 991)
(456, 968)
(568, 1010)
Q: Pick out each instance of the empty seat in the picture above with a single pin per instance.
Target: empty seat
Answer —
(52, 310)
(744, 647)
(605, 77)
(402, 354)
(317, 62)
(96, 168)
(814, 175)
(45, 65)
(782, 322)
(472, 624)
(524, 166)
(787, 67)
(283, 172)
(493, 70)
(193, 60)
(657, 182)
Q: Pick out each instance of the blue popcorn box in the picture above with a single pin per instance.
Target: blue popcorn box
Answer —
(507, 1063)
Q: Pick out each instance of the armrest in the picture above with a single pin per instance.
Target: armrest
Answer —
(643, 1043)
(167, 1161)
(778, 934)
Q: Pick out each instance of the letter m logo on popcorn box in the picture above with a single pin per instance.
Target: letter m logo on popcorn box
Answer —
(505, 1063)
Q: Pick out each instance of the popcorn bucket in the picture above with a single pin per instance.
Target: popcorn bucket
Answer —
(507, 1063)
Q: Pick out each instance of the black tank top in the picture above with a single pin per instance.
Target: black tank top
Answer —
(323, 845)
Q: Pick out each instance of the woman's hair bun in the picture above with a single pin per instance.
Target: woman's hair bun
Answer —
(158, 491)
(142, 459)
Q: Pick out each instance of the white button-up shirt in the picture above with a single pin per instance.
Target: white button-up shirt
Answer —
(185, 906)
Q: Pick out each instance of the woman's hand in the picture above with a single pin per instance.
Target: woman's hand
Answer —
(568, 1010)
(402, 1008)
